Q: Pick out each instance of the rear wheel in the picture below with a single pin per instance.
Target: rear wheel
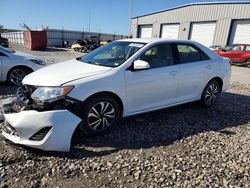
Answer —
(210, 93)
(17, 74)
(100, 115)
(247, 62)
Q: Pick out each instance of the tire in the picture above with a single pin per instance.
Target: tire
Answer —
(99, 115)
(210, 93)
(247, 62)
(16, 75)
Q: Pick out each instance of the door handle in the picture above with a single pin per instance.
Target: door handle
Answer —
(209, 66)
(173, 73)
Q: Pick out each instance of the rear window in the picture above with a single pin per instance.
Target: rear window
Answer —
(189, 54)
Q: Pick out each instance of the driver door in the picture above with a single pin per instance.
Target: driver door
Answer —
(155, 87)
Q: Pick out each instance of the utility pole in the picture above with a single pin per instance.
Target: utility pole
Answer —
(89, 20)
(130, 15)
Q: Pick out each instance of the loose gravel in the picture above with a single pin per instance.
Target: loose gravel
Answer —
(184, 146)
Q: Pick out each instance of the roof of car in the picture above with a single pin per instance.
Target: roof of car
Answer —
(150, 40)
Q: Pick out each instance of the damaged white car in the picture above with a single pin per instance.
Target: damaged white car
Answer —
(124, 78)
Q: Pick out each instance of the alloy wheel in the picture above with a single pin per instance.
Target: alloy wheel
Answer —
(16, 76)
(101, 116)
(211, 93)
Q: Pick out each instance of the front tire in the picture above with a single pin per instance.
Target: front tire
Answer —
(210, 93)
(16, 75)
(100, 115)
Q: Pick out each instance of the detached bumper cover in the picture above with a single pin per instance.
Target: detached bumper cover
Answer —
(54, 128)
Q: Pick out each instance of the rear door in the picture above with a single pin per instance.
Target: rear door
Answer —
(237, 53)
(195, 70)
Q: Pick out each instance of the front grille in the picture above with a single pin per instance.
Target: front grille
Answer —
(9, 129)
(40, 134)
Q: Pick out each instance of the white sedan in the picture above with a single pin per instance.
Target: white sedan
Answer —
(124, 78)
(14, 66)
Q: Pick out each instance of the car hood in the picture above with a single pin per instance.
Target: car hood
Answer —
(25, 56)
(60, 73)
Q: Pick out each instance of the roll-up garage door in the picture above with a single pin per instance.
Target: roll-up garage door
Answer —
(145, 31)
(203, 33)
(170, 31)
(240, 32)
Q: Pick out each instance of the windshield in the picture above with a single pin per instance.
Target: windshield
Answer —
(113, 54)
(6, 50)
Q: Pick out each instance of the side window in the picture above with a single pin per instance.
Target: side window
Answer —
(238, 48)
(247, 48)
(189, 54)
(159, 56)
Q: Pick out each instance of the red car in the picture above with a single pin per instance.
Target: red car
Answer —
(238, 53)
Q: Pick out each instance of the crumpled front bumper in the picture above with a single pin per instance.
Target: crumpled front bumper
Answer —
(47, 130)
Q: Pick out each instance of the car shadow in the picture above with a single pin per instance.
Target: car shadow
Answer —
(162, 128)
(7, 89)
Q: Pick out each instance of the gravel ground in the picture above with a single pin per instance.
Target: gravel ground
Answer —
(184, 146)
(51, 54)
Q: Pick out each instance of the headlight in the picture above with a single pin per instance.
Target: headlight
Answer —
(37, 61)
(50, 94)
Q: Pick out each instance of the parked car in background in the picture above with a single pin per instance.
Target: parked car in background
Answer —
(238, 53)
(4, 42)
(14, 66)
(121, 79)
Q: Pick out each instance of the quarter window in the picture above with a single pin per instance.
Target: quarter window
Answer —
(188, 54)
(159, 56)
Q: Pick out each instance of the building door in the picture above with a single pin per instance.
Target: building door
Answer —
(240, 32)
(203, 33)
(170, 31)
(145, 31)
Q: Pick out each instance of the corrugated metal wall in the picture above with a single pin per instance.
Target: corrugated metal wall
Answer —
(55, 37)
(14, 37)
(223, 14)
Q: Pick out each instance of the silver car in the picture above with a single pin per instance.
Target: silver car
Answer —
(14, 66)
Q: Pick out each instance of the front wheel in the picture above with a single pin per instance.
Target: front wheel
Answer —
(100, 115)
(210, 93)
(16, 75)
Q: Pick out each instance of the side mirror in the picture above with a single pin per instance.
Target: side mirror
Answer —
(140, 65)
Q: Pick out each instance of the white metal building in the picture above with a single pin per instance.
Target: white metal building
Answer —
(215, 23)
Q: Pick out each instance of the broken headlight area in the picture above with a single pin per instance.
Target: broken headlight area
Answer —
(29, 98)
